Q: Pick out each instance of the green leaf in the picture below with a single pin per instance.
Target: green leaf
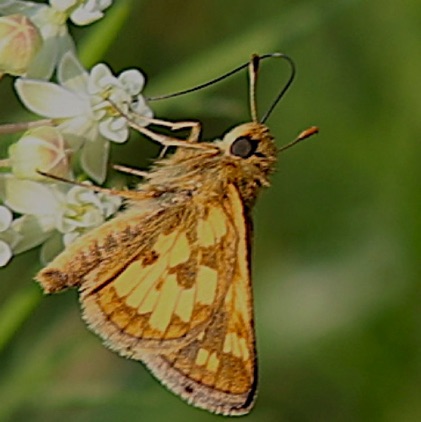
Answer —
(93, 47)
(16, 310)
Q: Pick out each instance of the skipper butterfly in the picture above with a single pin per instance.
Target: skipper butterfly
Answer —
(167, 281)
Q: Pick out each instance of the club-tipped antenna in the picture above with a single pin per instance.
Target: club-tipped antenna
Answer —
(305, 134)
(253, 65)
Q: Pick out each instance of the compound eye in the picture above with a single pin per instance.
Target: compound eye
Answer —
(243, 147)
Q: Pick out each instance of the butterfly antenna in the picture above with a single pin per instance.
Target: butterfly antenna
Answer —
(305, 134)
(198, 87)
(253, 73)
(253, 66)
(285, 87)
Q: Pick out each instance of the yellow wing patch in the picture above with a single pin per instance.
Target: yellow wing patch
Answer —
(206, 284)
(168, 292)
(217, 369)
(212, 228)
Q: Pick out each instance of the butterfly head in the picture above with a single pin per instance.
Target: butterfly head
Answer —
(250, 144)
(248, 157)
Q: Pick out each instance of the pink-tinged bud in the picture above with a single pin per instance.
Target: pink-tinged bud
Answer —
(41, 149)
(20, 41)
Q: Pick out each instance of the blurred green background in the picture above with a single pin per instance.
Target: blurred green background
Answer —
(337, 237)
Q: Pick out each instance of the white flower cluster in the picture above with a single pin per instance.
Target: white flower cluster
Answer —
(50, 22)
(52, 216)
(80, 114)
(89, 108)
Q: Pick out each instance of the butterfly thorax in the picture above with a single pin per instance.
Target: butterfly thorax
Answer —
(244, 157)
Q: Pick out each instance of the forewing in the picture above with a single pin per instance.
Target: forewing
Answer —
(150, 282)
(217, 371)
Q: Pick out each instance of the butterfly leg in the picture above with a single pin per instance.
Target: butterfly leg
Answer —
(126, 194)
(129, 170)
(163, 140)
(168, 141)
(194, 126)
(194, 135)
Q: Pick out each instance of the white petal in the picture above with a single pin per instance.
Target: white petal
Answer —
(140, 110)
(80, 196)
(5, 253)
(132, 80)
(82, 17)
(51, 248)
(78, 130)
(100, 78)
(11, 237)
(44, 63)
(94, 159)
(70, 237)
(27, 8)
(32, 233)
(27, 197)
(6, 218)
(71, 74)
(114, 129)
(89, 12)
(110, 204)
(91, 218)
(50, 100)
(62, 5)
(103, 4)
(46, 222)
(65, 44)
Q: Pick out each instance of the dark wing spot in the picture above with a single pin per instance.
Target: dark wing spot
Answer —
(149, 258)
(188, 389)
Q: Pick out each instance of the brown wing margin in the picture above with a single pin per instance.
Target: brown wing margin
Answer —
(200, 395)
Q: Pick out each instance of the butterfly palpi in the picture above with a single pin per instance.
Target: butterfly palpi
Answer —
(167, 281)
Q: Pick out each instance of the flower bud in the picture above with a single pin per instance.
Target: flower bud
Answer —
(20, 41)
(40, 149)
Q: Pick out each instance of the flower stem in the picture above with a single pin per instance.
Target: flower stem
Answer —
(9, 128)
